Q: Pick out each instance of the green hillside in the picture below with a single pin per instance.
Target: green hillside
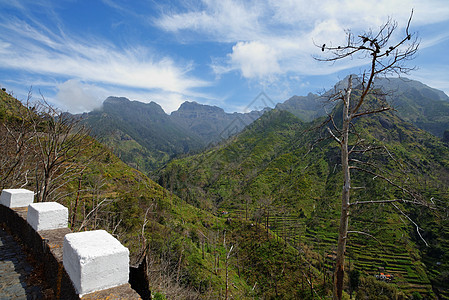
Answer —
(425, 107)
(9, 107)
(188, 248)
(140, 133)
(271, 172)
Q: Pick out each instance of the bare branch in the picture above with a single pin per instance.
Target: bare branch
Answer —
(370, 112)
(416, 225)
(391, 201)
(333, 135)
(387, 180)
(96, 208)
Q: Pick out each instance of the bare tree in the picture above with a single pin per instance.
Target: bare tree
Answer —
(386, 55)
(17, 151)
(60, 141)
(14, 167)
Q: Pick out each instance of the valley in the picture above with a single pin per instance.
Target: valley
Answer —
(256, 214)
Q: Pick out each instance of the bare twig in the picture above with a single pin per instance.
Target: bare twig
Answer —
(414, 223)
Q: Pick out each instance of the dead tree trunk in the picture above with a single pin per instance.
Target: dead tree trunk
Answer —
(385, 57)
(345, 197)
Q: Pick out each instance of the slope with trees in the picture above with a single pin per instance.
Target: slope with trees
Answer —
(413, 101)
(269, 175)
(185, 250)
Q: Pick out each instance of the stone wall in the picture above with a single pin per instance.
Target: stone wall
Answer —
(47, 248)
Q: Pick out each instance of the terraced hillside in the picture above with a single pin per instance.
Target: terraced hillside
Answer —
(186, 248)
(271, 175)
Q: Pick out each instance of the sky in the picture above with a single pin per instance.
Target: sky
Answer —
(225, 53)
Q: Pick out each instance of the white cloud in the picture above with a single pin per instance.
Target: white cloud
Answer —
(39, 50)
(225, 20)
(96, 61)
(288, 29)
(77, 97)
(254, 59)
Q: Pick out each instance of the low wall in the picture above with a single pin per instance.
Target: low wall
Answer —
(47, 247)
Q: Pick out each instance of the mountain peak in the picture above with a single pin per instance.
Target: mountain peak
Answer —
(189, 106)
(116, 100)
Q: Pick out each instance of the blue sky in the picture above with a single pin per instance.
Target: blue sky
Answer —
(224, 53)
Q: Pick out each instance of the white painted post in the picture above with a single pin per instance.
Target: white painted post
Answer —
(16, 197)
(47, 215)
(95, 260)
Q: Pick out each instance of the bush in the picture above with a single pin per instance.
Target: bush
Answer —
(416, 296)
(372, 289)
(159, 296)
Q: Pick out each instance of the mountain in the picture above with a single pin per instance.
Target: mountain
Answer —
(279, 172)
(425, 107)
(145, 137)
(142, 134)
(212, 123)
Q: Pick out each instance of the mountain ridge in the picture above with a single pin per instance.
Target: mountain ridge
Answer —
(158, 136)
(270, 173)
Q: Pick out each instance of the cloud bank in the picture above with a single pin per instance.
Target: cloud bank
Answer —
(90, 65)
(277, 36)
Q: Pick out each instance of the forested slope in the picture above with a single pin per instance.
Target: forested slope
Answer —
(183, 244)
(280, 172)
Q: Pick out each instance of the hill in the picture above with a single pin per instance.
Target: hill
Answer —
(9, 107)
(189, 253)
(271, 174)
(425, 107)
(145, 137)
(141, 134)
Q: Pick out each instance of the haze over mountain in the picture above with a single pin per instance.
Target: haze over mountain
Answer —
(212, 123)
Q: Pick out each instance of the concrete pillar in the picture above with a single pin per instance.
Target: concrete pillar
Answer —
(95, 261)
(47, 215)
(16, 197)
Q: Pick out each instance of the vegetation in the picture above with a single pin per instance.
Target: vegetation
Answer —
(268, 175)
(256, 217)
(186, 249)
